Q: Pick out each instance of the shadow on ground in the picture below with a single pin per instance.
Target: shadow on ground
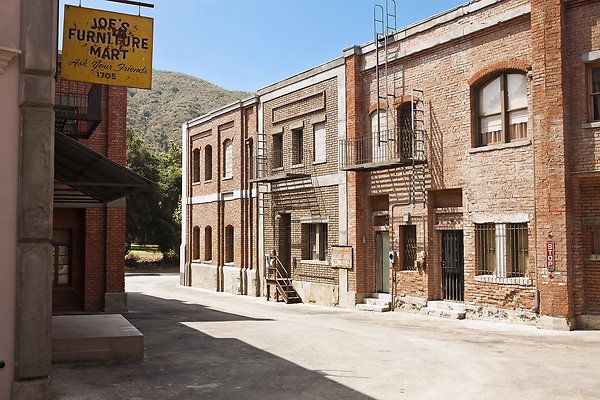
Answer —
(183, 363)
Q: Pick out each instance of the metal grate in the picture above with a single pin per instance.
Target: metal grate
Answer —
(409, 233)
(502, 250)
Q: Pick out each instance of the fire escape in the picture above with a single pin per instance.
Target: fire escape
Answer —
(279, 172)
(396, 138)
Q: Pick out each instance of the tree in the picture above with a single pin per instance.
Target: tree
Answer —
(152, 216)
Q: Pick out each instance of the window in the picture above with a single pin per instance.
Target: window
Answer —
(297, 146)
(319, 143)
(315, 239)
(229, 244)
(208, 163)
(406, 130)
(207, 243)
(277, 150)
(227, 158)
(409, 237)
(196, 243)
(62, 243)
(595, 93)
(196, 166)
(379, 136)
(502, 109)
(502, 250)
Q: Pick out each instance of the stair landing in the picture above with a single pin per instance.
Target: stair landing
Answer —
(377, 302)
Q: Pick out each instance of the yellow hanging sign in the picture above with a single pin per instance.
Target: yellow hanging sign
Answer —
(107, 47)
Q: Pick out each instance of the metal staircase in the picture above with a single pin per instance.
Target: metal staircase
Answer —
(278, 274)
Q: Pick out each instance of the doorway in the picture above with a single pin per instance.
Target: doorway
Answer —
(382, 262)
(285, 241)
(453, 277)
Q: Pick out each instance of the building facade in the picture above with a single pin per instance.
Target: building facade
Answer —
(464, 178)
(219, 217)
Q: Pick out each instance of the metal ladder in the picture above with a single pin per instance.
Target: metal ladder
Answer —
(419, 146)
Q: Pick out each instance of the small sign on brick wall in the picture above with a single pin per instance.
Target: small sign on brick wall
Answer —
(550, 251)
(341, 257)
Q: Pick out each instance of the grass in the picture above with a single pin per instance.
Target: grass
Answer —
(147, 258)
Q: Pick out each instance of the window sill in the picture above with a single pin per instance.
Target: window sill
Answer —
(504, 281)
(227, 178)
(196, 183)
(591, 125)
(319, 162)
(297, 165)
(315, 262)
(277, 169)
(594, 257)
(208, 181)
(500, 146)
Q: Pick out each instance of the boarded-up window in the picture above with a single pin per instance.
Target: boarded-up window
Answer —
(319, 143)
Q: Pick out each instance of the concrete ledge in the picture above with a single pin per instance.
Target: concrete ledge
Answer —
(318, 293)
(31, 389)
(501, 315)
(95, 338)
(409, 303)
(588, 321)
(232, 280)
(115, 303)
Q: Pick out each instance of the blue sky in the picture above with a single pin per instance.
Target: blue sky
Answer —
(248, 44)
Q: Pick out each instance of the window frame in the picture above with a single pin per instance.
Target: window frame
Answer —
(196, 165)
(227, 159)
(57, 243)
(229, 241)
(505, 132)
(590, 92)
(208, 172)
(322, 143)
(502, 250)
(196, 243)
(208, 243)
(277, 150)
(316, 242)
(297, 146)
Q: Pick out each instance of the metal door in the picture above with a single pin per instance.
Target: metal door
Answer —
(285, 241)
(453, 277)
(382, 262)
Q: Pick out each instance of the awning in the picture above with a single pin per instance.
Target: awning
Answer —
(94, 177)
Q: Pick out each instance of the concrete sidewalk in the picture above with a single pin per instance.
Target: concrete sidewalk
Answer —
(205, 345)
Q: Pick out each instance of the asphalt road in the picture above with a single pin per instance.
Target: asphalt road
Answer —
(206, 345)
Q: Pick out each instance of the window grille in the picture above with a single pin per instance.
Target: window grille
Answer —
(409, 233)
(316, 243)
(502, 250)
(297, 146)
(595, 93)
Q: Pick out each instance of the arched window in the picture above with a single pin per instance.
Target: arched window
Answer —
(208, 163)
(227, 158)
(196, 243)
(207, 243)
(229, 244)
(196, 165)
(502, 109)
(379, 136)
(405, 123)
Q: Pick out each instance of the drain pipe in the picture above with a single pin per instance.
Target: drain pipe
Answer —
(536, 307)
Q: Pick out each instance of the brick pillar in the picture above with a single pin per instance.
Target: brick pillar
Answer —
(95, 259)
(357, 181)
(552, 199)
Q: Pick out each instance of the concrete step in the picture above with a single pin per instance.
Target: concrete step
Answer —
(373, 307)
(442, 311)
(376, 302)
(380, 296)
(446, 305)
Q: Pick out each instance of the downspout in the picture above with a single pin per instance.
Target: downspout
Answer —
(184, 278)
(536, 293)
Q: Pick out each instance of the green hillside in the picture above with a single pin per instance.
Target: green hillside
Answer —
(156, 115)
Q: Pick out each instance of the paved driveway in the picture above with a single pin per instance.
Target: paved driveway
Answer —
(205, 345)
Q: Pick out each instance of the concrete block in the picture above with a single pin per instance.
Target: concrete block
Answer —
(33, 389)
(115, 302)
(232, 279)
(39, 47)
(204, 276)
(556, 324)
(588, 321)
(318, 293)
(37, 90)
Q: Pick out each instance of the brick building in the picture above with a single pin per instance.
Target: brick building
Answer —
(89, 204)
(465, 157)
(219, 217)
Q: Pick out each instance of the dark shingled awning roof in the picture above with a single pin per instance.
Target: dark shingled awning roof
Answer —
(94, 176)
